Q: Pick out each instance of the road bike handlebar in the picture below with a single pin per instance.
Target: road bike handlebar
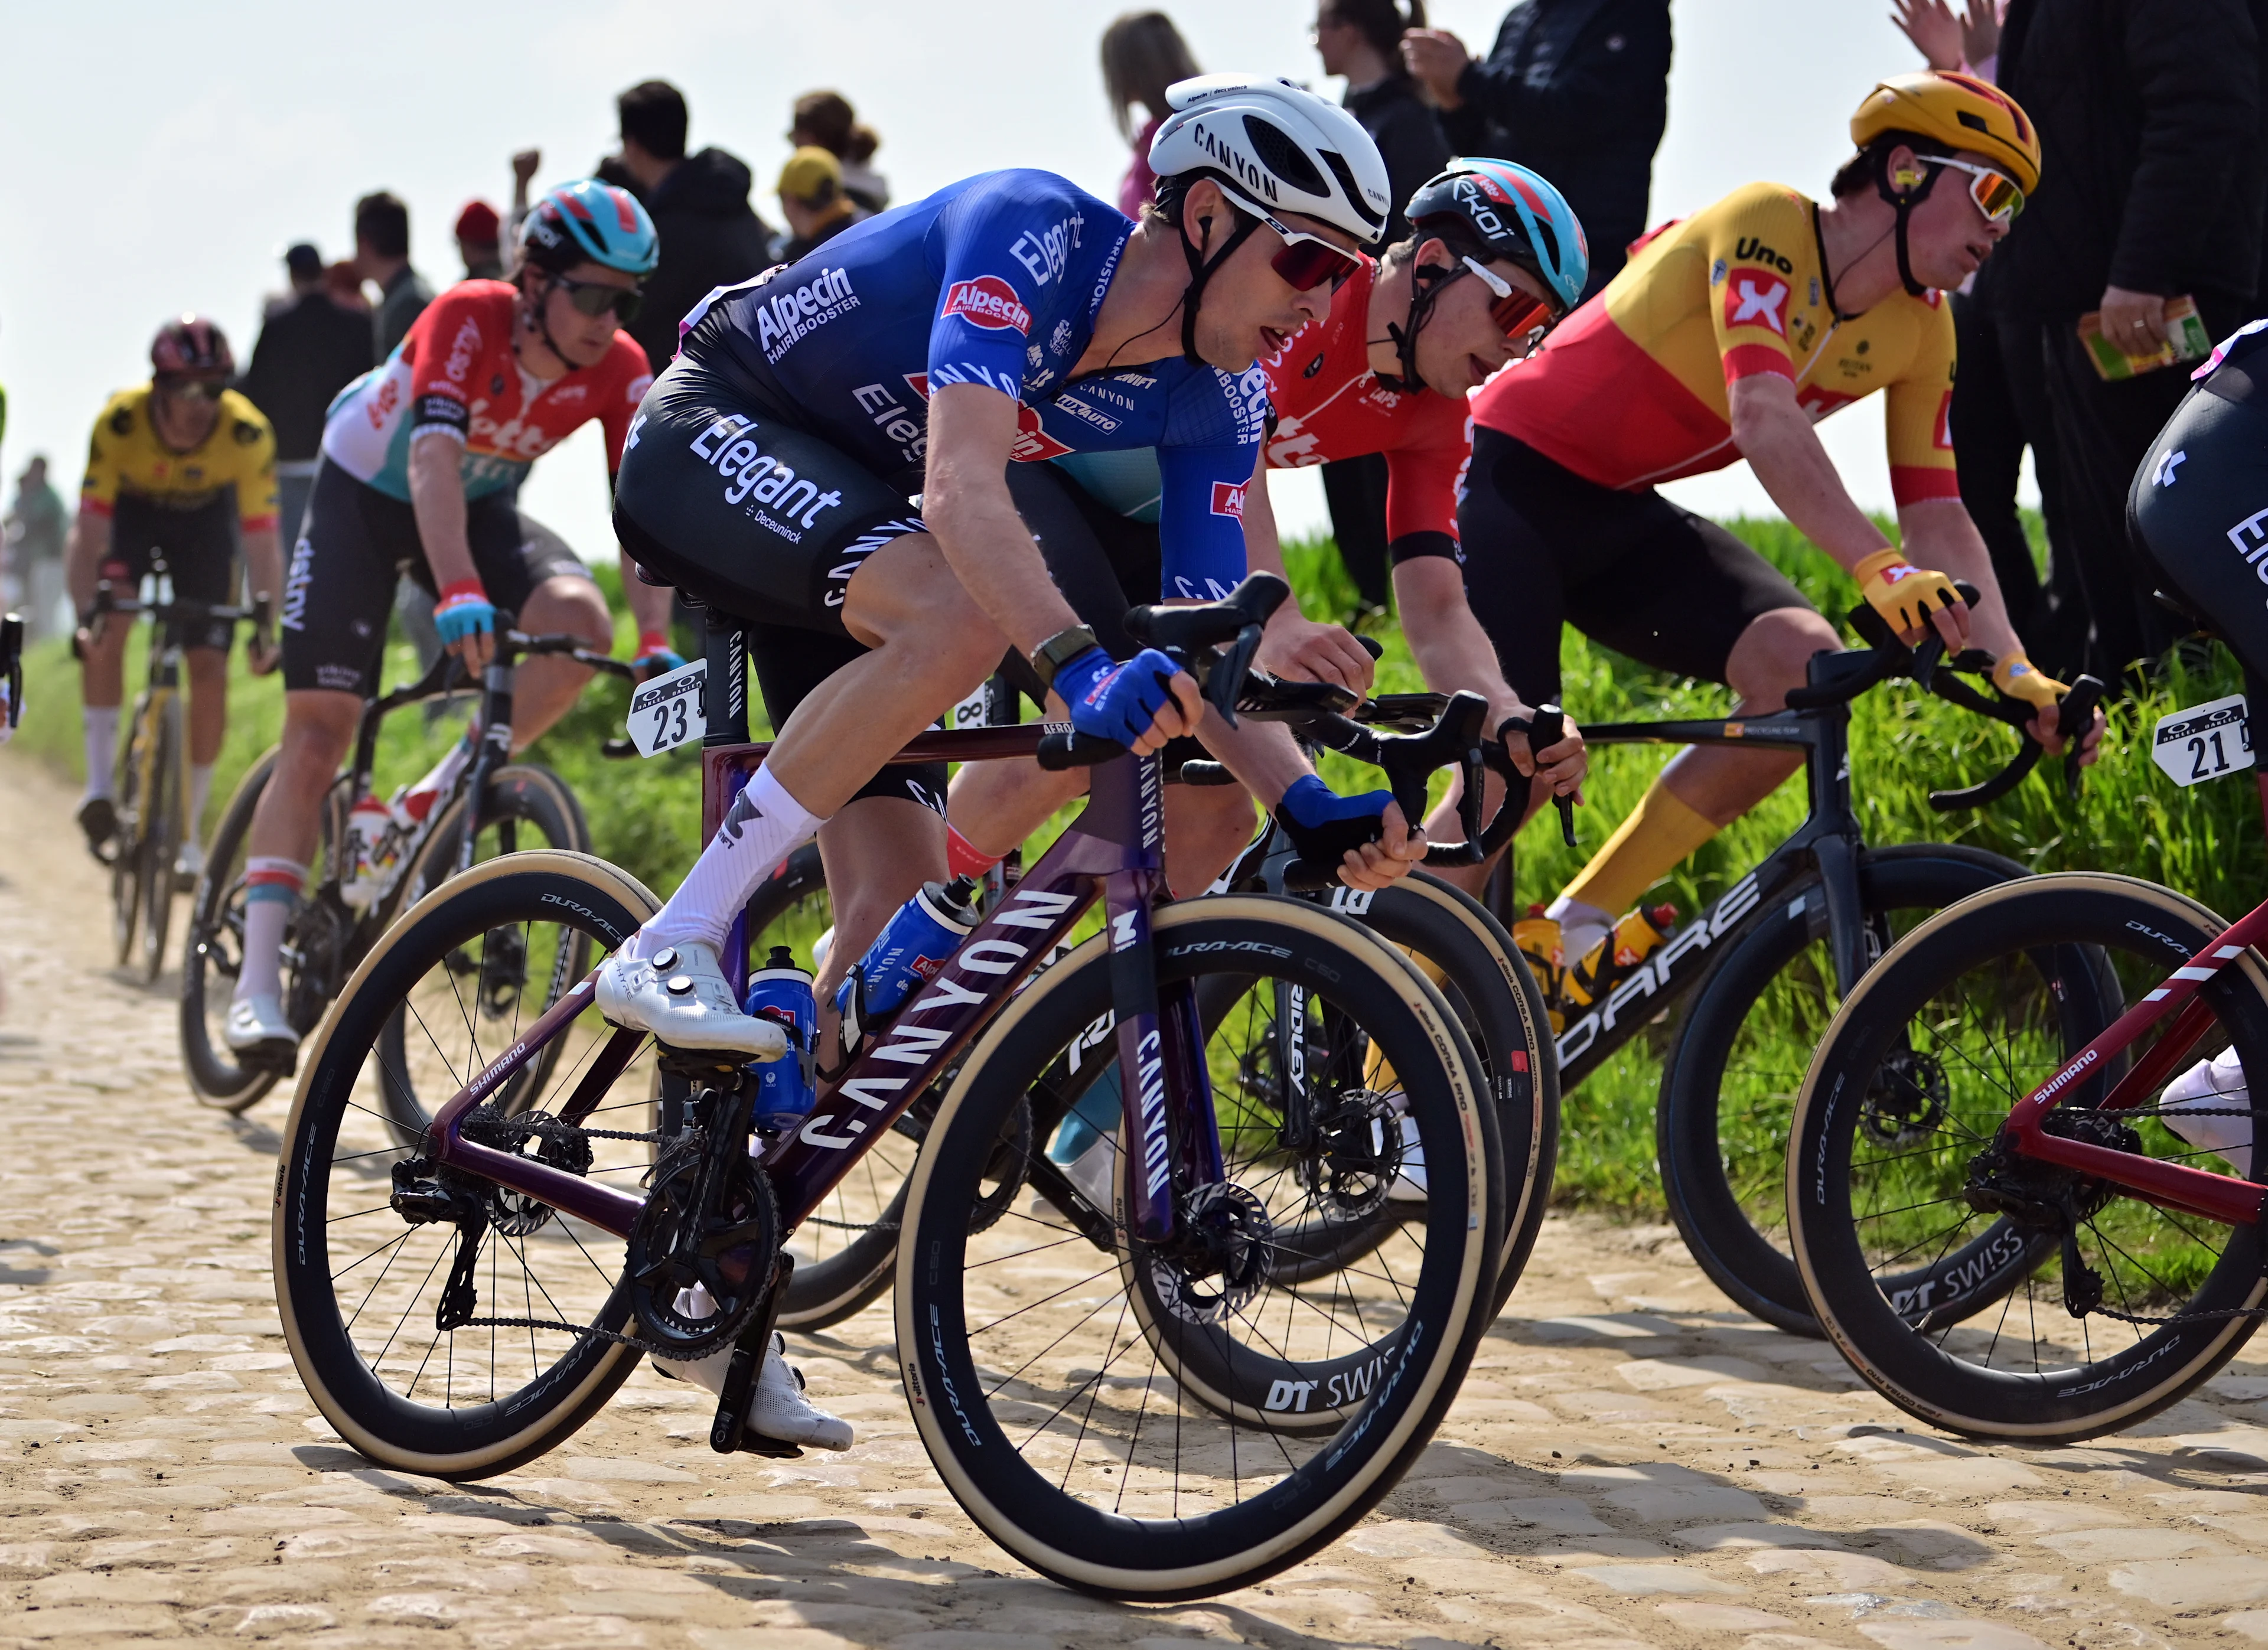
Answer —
(180, 610)
(1838, 678)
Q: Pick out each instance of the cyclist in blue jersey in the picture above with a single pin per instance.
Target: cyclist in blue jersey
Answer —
(1010, 317)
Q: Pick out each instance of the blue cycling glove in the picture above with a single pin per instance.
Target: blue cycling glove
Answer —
(462, 609)
(1114, 701)
(655, 656)
(1324, 825)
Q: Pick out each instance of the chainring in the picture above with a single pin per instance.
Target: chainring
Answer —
(698, 1273)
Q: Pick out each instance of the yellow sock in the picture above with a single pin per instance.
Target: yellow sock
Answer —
(1660, 833)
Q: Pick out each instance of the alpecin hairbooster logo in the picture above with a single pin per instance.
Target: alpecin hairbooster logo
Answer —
(1228, 498)
(784, 318)
(987, 301)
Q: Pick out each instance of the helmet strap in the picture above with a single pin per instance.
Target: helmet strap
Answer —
(539, 317)
(1902, 204)
(1201, 272)
(1426, 281)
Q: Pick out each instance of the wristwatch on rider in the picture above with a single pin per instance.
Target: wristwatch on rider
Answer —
(1059, 649)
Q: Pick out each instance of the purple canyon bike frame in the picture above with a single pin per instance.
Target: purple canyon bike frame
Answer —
(1112, 851)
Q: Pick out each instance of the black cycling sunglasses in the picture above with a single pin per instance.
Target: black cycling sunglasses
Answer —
(594, 299)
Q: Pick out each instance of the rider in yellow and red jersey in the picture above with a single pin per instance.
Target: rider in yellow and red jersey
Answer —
(1726, 337)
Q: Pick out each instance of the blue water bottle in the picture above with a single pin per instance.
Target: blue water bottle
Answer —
(907, 953)
(781, 992)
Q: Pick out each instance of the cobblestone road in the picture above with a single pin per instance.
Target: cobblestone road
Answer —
(1632, 1463)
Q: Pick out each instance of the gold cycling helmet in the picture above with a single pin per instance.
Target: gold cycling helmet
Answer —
(1959, 111)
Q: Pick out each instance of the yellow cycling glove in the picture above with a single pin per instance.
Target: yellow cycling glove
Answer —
(2021, 679)
(1902, 593)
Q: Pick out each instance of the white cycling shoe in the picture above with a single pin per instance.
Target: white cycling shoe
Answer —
(778, 1409)
(256, 1024)
(682, 997)
(2217, 1082)
(1409, 1185)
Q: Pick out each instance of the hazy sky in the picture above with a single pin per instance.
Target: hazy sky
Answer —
(159, 165)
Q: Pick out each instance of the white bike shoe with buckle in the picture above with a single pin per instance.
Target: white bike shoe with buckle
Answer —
(779, 1408)
(256, 1024)
(2216, 1084)
(681, 995)
(1409, 1185)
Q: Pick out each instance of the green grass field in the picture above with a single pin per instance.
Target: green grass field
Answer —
(2206, 841)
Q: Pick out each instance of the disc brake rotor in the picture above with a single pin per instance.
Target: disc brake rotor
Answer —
(1221, 1256)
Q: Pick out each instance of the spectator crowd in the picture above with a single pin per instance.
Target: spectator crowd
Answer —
(2154, 114)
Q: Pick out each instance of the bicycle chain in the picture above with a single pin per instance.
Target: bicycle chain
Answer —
(588, 1331)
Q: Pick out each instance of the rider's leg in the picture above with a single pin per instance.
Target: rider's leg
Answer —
(877, 852)
(318, 727)
(1706, 787)
(928, 643)
(544, 689)
(101, 689)
(207, 668)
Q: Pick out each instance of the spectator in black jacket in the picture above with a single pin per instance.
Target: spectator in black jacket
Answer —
(1577, 89)
(2150, 114)
(308, 347)
(1361, 40)
(710, 236)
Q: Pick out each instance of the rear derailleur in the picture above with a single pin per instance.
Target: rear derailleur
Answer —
(2051, 1200)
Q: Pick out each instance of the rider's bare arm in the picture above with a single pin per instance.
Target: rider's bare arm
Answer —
(89, 544)
(1454, 653)
(264, 565)
(437, 494)
(649, 604)
(1776, 436)
(1296, 648)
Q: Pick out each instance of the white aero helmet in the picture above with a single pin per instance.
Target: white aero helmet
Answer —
(1279, 147)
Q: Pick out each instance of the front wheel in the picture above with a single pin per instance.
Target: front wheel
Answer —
(1047, 1353)
(129, 846)
(1729, 1085)
(1981, 1290)
(161, 839)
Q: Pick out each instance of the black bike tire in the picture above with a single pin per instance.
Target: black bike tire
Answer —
(1063, 1536)
(1724, 1242)
(2073, 909)
(128, 861)
(519, 792)
(162, 841)
(469, 1441)
(215, 1078)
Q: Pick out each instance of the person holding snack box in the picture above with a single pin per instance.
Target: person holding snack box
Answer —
(2140, 247)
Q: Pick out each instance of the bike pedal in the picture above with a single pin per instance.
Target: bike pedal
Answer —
(775, 1449)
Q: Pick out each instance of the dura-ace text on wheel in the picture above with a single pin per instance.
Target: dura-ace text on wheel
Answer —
(1980, 1289)
(365, 1293)
(1039, 1351)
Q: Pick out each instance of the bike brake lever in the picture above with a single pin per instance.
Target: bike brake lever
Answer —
(1548, 728)
(2074, 720)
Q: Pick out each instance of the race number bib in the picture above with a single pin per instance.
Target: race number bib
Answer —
(2205, 741)
(666, 712)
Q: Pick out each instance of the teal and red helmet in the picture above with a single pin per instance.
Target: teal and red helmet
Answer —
(589, 222)
(1498, 208)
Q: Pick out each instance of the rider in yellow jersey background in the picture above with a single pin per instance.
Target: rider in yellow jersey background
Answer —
(1726, 337)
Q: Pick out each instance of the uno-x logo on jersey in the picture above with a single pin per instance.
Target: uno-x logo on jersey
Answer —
(1750, 303)
(786, 318)
(1228, 498)
(987, 301)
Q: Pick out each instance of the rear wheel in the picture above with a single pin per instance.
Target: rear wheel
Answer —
(1979, 1289)
(1049, 1354)
(360, 1286)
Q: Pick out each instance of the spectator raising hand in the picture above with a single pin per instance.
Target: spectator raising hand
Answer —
(1969, 41)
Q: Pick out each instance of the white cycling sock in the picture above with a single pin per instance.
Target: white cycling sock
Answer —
(271, 890)
(199, 793)
(101, 727)
(763, 827)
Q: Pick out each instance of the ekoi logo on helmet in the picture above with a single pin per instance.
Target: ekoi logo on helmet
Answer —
(987, 301)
